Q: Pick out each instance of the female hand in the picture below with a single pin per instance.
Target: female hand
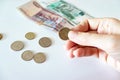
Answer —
(99, 37)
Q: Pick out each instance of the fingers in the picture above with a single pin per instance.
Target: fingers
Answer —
(103, 41)
(71, 55)
(102, 55)
(88, 24)
(78, 51)
(93, 34)
(82, 27)
(101, 25)
(113, 62)
(69, 44)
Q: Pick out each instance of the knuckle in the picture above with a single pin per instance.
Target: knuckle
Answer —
(113, 42)
(113, 19)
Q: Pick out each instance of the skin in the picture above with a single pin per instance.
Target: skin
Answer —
(99, 37)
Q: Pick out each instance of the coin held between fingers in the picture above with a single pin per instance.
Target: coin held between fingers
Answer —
(63, 33)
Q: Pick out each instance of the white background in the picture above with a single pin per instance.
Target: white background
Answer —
(14, 25)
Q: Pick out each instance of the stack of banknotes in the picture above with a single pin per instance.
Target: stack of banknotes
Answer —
(56, 14)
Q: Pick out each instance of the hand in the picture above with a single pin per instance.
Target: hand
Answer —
(99, 37)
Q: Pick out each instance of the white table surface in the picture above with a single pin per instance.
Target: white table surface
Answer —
(14, 25)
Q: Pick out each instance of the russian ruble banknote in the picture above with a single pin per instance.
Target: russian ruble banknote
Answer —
(42, 16)
(68, 11)
(56, 13)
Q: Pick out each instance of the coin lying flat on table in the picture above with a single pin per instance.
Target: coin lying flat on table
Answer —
(45, 42)
(63, 33)
(1, 36)
(39, 57)
(17, 45)
(27, 55)
(30, 35)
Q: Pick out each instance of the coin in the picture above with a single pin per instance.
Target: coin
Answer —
(17, 45)
(1, 36)
(39, 57)
(45, 42)
(30, 35)
(27, 55)
(63, 33)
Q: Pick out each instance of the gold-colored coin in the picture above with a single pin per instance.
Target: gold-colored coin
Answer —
(17, 45)
(1, 36)
(27, 55)
(30, 35)
(63, 33)
(45, 42)
(39, 57)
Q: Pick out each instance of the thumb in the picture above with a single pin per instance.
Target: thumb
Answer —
(101, 41)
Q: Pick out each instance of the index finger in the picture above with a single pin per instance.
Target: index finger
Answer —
(90, 24)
